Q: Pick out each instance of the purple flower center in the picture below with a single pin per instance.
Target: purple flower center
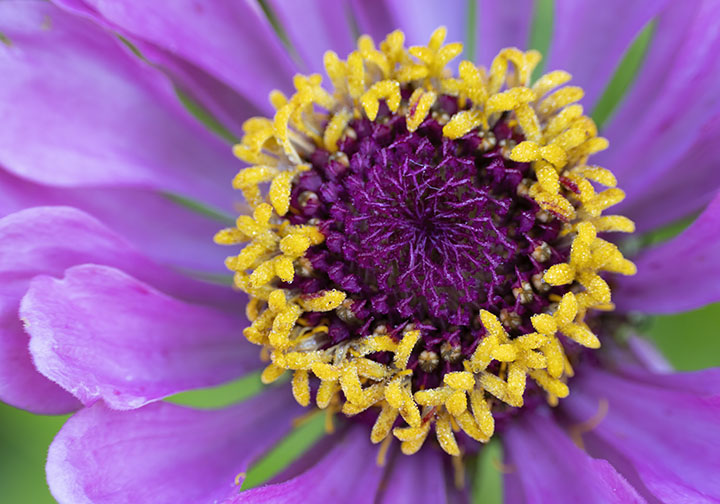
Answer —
(426, 231)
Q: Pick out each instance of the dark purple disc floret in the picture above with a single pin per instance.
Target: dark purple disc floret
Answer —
(424, 230)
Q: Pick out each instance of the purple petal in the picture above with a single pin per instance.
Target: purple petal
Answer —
(656, 133)
(163, 452)
(347, 474)
(669, 435)
(47, 241)
(418, 20)
(80, 110)
(591, 37)
(102, 334)
(550, 468)
(500, 24)
(679, 275)
(326, 20)
(416, 478)
(230, 40)
(170, 233)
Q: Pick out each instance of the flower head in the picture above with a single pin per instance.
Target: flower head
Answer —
(426, 242)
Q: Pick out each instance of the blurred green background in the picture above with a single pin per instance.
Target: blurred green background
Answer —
(688, 340)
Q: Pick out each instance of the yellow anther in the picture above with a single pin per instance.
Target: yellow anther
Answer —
(419, 106)
(412, 447)
(389, 90)
(356, 74)
(481, 412)
(581, 334)
(350, 383)
(555, 357)
(525, 152)
(277, 301)
(271, 373)
(301, 387)
(505, 353)
(445, 435)
(326, 391)
(560, 99)
(325, 371)
(402, 354)
(508, 100)
(294, 245)
(559, 274)
(432, 397)
(456, 403)
(336, 70)
(462, 123)
(371, 369)
(328, 300)
(548, 179)
(461, 380)
(550, 384)
(550, 81)
(383, 424)
(394, 394)
(544, 323)
(335, 129)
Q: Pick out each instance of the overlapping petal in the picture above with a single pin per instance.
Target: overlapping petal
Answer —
(417, 20)
(167, 232)
(102, 334)
(590, 38)
(669, 435)
(348, 474)
(314, 27)
(500, 24)
(663, 150)
(681, 274)
(231, 41)
(418, 478)
(550, 468)
(46, 241)
(114, 121)
(163, 452)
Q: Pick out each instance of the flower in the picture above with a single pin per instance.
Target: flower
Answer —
(106, 275)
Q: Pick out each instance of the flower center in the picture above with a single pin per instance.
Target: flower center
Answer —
(421, 244)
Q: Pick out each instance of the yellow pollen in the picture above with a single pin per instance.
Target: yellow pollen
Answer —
(558, 139)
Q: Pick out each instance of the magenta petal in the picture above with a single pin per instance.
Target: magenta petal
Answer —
(230, 40)
(590, 38)
(170, 233)
(417, 20)
(163, 452)
(48, 240)
(417, 478)
(347, 474)
(551, 469)
(102, 334)
(679, 275)
(80, 110)
(326, 20)
(663, 137)
(500, 24)
(669, 435)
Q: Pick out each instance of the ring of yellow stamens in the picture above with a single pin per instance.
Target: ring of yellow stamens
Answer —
(559, 140)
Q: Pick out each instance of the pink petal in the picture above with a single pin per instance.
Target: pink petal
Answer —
(347, 474)
(47, 241)
(669, 435)
(80, 110)
(229, 40)
(551, 469)
(163, 452)
(679, 275)
(102, 334)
